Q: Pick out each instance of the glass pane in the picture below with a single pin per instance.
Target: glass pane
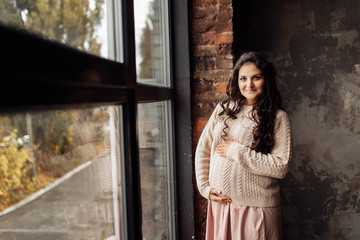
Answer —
(152, 42)
(60, 175)
(156, 171)
(83, 24)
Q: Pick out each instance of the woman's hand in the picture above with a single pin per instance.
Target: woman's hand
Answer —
(99, 147)
(222, 149)
(215, 195)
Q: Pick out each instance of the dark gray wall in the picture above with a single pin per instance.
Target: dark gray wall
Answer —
(315, 47)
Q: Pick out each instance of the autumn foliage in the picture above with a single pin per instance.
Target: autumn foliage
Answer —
(16, 176)
(71, 22)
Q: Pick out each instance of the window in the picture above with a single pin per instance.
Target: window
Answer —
(61, 174)
(152, 42)
(93, 133)
(156, 178)
(91, 26)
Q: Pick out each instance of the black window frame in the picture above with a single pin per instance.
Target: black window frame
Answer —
(38, 74)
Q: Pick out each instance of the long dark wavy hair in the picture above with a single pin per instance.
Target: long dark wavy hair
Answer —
(263, 111)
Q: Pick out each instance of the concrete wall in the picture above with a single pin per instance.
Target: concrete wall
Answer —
(315, 46)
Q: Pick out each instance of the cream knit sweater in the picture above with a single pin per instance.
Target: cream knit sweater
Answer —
(248, 177)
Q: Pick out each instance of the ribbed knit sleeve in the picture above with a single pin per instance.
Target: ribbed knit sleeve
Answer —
(203, 152)
(275, 164)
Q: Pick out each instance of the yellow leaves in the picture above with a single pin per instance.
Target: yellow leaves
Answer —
(3, 165)
(31, 186)
(6, 181)
(73, 22)
(56, 149)
(15, 171)
(69, 136)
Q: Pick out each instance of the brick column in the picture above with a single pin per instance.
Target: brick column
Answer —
(212, 62)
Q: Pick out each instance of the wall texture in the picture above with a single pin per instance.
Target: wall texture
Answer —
(315, 46)
(212, 61)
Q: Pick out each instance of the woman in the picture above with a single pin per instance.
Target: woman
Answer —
(244, 148)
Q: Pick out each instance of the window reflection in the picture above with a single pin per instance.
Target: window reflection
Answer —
(152, 42)
(155, 170)
(60, 177)
(81, 24)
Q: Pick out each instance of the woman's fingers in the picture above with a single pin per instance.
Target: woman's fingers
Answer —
(214, 196)
(221, 200)
(222, 149)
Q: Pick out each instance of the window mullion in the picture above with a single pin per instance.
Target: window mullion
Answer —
(133, 199)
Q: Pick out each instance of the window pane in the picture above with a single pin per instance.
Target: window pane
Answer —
(156, 170)
(152, 42)
(83, 24)
(60, 175)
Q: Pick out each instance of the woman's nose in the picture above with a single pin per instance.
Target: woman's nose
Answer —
(249, 83)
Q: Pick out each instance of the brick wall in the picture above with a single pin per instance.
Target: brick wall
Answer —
(212, 62)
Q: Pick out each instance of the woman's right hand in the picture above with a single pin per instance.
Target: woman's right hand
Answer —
(215, 195)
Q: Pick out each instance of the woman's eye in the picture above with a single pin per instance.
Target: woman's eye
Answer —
(257, 77)
(242, 79)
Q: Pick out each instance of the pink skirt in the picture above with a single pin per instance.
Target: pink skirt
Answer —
(226, 222)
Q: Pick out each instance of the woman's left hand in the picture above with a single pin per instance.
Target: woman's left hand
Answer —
(222, 149)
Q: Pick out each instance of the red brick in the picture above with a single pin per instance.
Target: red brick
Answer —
(225, 49)
(207, 12)
(204, 63)
(211, 38)
(222, 26)
(204, 107)
(197, 3)
(213, 50)
(200, 204)
(226, 2)
(209, 75)
(199, 125)
(197, 28)
(202, 38)
(212, 58)
(210, 97)
(203, 25)
(201, 86)
(223, 63)
(226, 10)
(221, 87)
(204, 3)
(221, 75)
(207, 50)
(225, 14)
(223, 37)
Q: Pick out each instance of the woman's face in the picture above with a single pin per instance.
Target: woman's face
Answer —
(251, 82)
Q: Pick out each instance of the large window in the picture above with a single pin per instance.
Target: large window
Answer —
(86, 131)
(91, 26)
(61, 174)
